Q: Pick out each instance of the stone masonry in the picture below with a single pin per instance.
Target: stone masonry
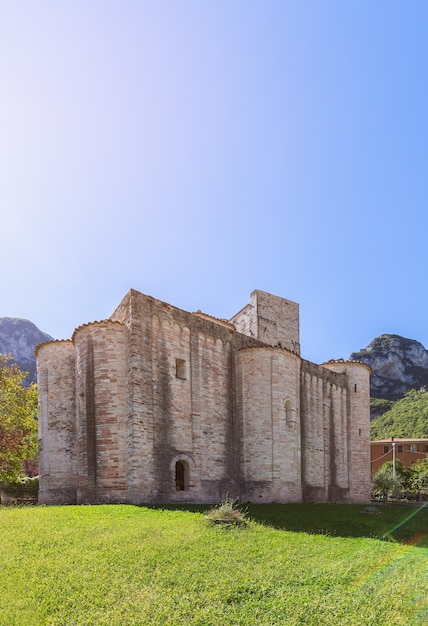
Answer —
(158, 405)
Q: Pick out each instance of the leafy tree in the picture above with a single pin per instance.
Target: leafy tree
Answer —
(385, 484)
(381, 484)
(420, 476)
(410, 481)
(18, 423)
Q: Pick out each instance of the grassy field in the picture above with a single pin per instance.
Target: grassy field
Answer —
(293, 564)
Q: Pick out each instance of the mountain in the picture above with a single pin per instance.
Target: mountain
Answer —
(398, 365)
(19, 337)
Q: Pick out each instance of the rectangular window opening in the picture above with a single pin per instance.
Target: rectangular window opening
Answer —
(180, 368)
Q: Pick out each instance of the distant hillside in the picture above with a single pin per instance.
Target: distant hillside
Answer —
(19, 337)
(408, 417)
(398, 365)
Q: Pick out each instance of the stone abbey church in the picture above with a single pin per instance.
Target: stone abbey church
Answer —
(158, 405)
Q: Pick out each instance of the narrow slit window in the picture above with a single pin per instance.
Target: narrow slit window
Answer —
(180, 368)
(180, 475)
(288, 412)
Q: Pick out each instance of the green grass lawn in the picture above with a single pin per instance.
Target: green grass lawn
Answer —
(293, 564)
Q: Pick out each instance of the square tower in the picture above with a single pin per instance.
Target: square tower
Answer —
(271, 319)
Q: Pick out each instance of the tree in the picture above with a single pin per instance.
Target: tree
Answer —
(411, 482)
(385, 484)
(420, 477)
(18, 420)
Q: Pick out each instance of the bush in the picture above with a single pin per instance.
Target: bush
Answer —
(22, 487)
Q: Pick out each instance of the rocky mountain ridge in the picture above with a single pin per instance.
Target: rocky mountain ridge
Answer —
(398, 365)
(19, 337)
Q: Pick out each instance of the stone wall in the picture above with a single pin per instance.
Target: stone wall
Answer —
(101, 391)
(270, 407)
(182, 402)
(358, 431)
(335, 432)
(57, 422)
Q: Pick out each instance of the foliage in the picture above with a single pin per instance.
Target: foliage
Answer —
(382, 484)
(385, 484)
(407, 417)
(121, 565)
(25, 485)
(18, 423)
(420, 476)
(379, 406)
(409, 482)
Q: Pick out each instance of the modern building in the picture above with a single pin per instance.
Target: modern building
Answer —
(408, 451)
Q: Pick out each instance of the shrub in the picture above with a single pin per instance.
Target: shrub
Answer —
(22, 487)
(227, 512)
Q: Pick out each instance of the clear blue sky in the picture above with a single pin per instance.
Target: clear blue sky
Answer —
(196, 151)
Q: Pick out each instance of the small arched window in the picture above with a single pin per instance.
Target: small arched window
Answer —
(180, 476)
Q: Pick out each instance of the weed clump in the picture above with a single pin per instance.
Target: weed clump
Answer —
(227, 512)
